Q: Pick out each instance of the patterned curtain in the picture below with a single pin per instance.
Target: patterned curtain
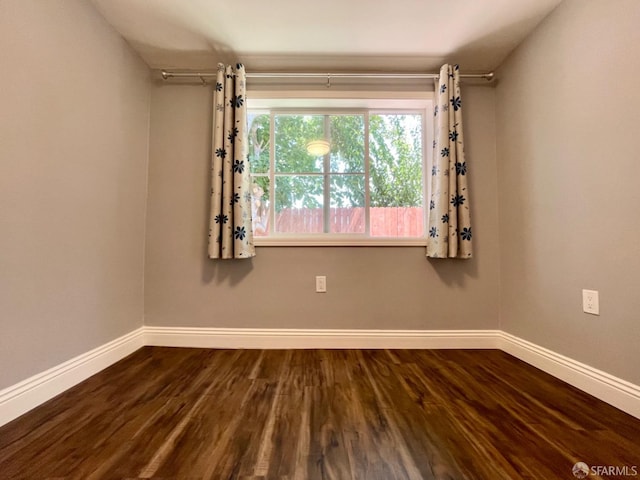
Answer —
(449, 219)
(230, 234)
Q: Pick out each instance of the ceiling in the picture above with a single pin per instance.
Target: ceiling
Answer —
(331, 35)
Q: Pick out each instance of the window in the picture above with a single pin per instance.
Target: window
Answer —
(366, 187)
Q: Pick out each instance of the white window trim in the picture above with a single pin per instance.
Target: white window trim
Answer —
(350, 100)
(335, 241)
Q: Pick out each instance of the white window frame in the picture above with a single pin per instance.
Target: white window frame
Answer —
(346, 102)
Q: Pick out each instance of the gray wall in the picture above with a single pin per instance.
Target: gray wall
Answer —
(74, 116)
(383, 287)
(568, 117)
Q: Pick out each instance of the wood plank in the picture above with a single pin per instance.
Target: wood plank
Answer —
(317, 414)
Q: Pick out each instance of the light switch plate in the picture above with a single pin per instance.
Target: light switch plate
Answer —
(321, 284)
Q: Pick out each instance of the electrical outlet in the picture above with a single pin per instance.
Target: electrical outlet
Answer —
(590, 302)
(321, 284)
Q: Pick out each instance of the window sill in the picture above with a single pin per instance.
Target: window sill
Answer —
(338, 242)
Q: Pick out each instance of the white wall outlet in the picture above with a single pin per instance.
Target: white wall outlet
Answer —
(590, 302)
(321, 284)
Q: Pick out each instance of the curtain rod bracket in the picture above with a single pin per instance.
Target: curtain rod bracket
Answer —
(328, 80)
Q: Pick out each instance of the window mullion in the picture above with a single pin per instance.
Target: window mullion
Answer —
(327, 167)
(272, 168)
(367, 213)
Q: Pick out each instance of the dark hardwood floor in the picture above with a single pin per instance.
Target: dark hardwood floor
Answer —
(169, 413)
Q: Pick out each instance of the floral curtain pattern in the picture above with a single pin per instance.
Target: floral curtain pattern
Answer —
(230, 233)
(449, 233)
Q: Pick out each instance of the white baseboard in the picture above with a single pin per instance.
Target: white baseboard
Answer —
(318, 338)
(613, 390)
(22, 397)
